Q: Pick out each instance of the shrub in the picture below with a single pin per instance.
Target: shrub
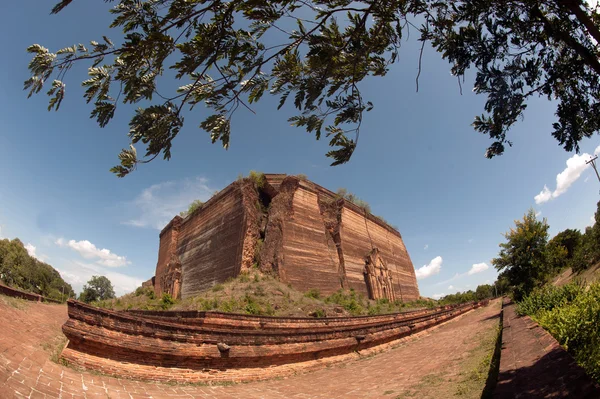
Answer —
(147, 291)
(258, 178)
(191, 208)
(549, 297)
(167, 301)
(313, 293)
(576, 325)
(251, 306)
(351, 301)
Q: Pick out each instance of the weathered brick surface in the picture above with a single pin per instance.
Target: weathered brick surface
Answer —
(210, 242)
(534, 365)
(310, 258)
(307, 243)
(26, 371)
(123, 337)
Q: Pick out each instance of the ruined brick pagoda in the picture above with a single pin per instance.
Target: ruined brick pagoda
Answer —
(288, 226)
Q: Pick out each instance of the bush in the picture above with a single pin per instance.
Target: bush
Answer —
(548, 298)
(149, 292)
(258, 178)
(351, 301)
(576, 325)
(313, 293)
(167, 301)
(191, 208)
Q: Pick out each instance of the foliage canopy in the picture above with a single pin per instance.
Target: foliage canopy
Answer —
(20, 270)
(522, 256)
(98, 288)
(317, 54)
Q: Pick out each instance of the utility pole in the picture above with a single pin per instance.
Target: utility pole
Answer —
(593, 162)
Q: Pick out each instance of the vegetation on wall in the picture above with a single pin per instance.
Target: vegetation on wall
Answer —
(191, 208)
(20, 270)
(348, 196)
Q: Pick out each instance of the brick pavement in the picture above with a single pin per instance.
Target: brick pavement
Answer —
(26, 371)
(534, 365)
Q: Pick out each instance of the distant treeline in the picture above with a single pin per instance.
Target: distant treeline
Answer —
(20, 270)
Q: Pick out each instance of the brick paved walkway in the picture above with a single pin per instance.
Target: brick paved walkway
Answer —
(534, 365)
(26, 371)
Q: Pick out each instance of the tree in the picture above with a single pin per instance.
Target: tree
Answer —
(318, 53)
(98, 288)
(556, 256)
(522, 256)
(20, 270)
(484, 291)
(588, 251)
(569, 239)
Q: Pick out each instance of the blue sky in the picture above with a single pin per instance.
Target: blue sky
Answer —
(419, 164)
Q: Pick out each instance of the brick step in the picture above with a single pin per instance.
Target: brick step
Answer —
(96, 333)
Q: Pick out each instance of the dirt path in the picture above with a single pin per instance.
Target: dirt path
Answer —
(437, 364)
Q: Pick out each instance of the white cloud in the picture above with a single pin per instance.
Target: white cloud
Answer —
(576, 165)
(478, 268)
(79, 273)
(1, 232)
(438, 296)
(30, 250)
(426, 247)
(450, 287)
(156, 205)
(90, 251)
(544, 196)
(430, 269)
(538, 214)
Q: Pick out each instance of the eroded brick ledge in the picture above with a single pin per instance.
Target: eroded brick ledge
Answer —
(173, 349)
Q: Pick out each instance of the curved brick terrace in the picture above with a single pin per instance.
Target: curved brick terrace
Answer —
(27, 371)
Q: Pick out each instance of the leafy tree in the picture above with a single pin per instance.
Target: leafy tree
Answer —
(569, 239)
(522, 256)
(484, 291)
(20, 270)
(98, 288)
(318, 54)
(502, 285)
(557, 257)
(588, 252)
